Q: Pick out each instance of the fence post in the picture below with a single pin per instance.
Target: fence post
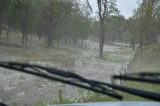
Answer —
(120, 79)
(60, 94)
(112, 81)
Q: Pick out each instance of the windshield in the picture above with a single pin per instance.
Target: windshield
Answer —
(94, 39)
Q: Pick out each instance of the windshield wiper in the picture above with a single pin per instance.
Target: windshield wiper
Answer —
(76, 80)
(2, 104)
(153, 78)
(61, 76)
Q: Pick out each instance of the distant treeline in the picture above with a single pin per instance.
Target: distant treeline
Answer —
(70, 22)
(57, 20)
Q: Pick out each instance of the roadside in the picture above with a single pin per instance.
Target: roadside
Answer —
(149, 61)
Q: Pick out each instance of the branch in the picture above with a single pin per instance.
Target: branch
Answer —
(105, 8)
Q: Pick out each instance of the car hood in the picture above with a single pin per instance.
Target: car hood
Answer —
(113, 104)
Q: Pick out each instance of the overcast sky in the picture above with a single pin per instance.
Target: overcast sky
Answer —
(126, 7)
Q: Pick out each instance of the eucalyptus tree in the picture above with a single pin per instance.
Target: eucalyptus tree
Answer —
(105, 9)
(21, 16)
(54, 13)
(3, 9)
(115, 27)
(55, 20)
(146, 16)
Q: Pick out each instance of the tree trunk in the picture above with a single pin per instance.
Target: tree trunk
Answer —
(23, 38)
(101, 45)
(50, 30)
(82, 41)
(8, 30)
(0, 26)
(0, 30)
(50, 41)
(141, 44)
(26, 39)
(65, 39)
(39, 37)
(23, 27)
(74, 42)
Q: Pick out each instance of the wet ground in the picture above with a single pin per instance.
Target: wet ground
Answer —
(20, 89)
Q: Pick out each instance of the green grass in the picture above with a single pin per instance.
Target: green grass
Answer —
(141, 86)
(114, 58)
(149, 61)
(65, 101)
(118, 56)
(44, 55)
(99, 98)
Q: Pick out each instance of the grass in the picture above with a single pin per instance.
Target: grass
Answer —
(99, 98)
(114, 58)
(90, 97)
(117, 56)
(45, 55)
(142, 86)
(148, 62)
(65, 101)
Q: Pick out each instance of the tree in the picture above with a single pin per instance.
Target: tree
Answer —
(3, 9)
(53, 15)
(146, 16)
(21, 15)
(55, 21)
(131, 24)
(105, 8)
(115, 27)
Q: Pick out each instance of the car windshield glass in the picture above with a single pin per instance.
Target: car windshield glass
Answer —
(79, 51)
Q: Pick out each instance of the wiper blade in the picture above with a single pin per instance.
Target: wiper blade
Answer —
(153, 78)
(2, 104)
(61, 76)
(76, 80)
(136, 92)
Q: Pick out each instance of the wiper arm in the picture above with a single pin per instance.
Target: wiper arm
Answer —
(136, 92)
(2, 104)
(153, 78)
(76, 80)
(61, 76)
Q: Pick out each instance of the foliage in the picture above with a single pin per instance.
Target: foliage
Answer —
(147, 21)
(57, 20)
(105, 9)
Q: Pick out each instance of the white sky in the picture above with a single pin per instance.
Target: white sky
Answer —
(126, 7)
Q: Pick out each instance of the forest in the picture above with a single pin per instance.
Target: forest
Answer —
(70, 22)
